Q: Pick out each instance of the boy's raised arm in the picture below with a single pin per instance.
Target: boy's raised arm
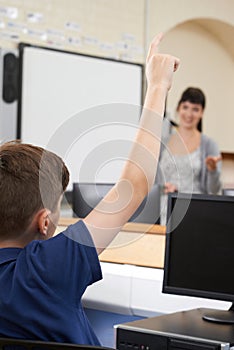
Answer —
(138, 174)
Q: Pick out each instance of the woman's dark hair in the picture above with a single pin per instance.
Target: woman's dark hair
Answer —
(193, 95)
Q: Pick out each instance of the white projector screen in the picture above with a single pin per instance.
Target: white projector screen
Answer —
(84, 108)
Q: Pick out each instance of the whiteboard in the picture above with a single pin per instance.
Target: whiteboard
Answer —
(84, 108)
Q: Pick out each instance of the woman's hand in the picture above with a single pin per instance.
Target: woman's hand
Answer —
(168, 187)
(211, 162)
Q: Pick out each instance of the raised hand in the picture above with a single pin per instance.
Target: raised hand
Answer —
(160, 67)
(139, 170)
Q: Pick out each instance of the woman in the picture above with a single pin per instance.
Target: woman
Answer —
(190, 161)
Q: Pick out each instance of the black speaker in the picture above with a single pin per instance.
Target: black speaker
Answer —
(10, 77)
(9, 93)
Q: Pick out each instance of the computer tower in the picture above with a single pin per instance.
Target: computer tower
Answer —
(9, 92)
(178, 331)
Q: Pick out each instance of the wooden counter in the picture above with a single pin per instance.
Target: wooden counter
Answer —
(137, 244)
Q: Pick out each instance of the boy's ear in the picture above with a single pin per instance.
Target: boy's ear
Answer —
(43, 221)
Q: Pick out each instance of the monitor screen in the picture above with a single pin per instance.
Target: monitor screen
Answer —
(86, 196)
(199, 255)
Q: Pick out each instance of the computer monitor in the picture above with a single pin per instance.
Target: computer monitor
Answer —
(199, 255)
(86, 196)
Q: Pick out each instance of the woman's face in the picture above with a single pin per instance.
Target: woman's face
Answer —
(190, 114)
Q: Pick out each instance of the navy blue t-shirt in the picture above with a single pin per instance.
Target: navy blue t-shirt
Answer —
(42, 284)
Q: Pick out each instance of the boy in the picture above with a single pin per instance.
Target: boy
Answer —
(42, 277)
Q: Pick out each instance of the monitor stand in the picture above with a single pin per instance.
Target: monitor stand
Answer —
(220, 316)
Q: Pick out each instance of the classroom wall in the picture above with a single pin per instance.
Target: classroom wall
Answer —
(201, 34)
(210, 66)
(165, 15)
(109, 28)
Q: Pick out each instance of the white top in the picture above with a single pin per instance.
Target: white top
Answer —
(183, 171)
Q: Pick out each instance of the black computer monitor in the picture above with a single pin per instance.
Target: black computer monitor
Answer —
(199, 255)
(85, 197)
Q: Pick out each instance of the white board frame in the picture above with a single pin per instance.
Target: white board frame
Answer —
(75, 104)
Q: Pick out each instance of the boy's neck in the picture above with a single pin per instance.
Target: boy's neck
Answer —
(11, 244)
(19, 242)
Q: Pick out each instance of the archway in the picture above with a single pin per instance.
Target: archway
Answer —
(207, 61)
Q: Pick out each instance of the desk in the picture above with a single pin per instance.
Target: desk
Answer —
(137, 244)
(129, 285)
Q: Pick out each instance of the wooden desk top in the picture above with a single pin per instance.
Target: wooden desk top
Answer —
(129, 227)
(136, 244)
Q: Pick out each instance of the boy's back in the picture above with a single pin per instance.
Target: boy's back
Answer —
(42, 285)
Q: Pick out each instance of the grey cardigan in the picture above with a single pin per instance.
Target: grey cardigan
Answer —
(210, 180)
